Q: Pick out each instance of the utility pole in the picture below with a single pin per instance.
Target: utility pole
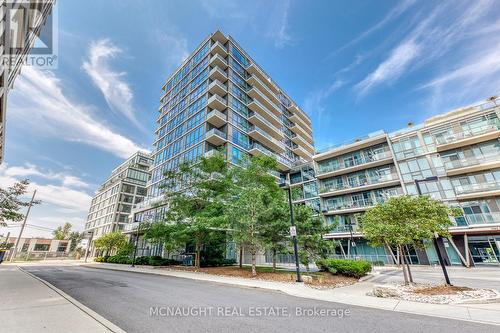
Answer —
(22, 227)
(88, 245)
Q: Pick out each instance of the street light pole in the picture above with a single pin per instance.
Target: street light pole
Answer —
(136, 244)
(435, 238)
(292, 222)
(13, 255)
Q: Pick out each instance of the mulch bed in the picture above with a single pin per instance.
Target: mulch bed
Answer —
(319, 279)
(441, 290)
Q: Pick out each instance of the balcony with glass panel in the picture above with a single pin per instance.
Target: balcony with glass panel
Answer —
(218, 73)
(301, 151)
(298, 139)
(477, 190)
(472, 164)
(349, 206)
(217, 87)
(465, 137)
(215, 137)
(218, 48)
(345, 228)
(217, 102)
(255, 93)
(479, 219)
(294, 117)
(253, 80)
(370, 183)
(262, 136)
(217, 60)
(257, 119)
(216, 118)
(258, 107)
(258, 149)
(351, 165)
(302, 131)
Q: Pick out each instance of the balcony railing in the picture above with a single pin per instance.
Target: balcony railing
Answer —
(264, 120)
(263, 107)
(470, 161)
(351, 205)
(215, 131)
(452, 137)
(480, 218)
(369, 181)
(268, 152)
(478, 187)
(355, 162)
(266, 135)
(345, 228)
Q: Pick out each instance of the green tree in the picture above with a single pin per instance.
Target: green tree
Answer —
(310, 231)
(110, 242)
(275, 226)
(254, 191)
(406, 221)
(196, 195)
(11, 203)
(62, 232)
(168, 235)
(75, 238)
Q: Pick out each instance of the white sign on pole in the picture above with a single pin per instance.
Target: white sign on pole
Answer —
(293, 231)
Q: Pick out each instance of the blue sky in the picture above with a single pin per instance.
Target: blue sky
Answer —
(354, 66)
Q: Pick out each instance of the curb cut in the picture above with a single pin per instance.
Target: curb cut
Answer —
(94, 315)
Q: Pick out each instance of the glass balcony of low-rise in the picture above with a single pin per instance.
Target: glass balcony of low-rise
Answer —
(468, 220)
(468, 189)
(328, 169)
(471, 161)
(370, 182)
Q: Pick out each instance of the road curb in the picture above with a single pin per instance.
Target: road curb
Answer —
(94, 315)
(291, 293)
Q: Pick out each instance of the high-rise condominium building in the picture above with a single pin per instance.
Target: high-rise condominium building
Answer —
(112, 204)
(219, 98)
(454, 157)
(20, 23)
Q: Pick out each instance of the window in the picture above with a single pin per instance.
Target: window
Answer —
(41, 247)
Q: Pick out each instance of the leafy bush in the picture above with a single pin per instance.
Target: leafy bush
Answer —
(216, 262)
(119, 259)
(100, 259)
(347, 267)
(155, 261)
(125, 249)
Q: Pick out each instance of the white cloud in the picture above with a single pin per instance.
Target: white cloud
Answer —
(280, 32)
(114, 88)
(39, 103)
(175, 46)
(392, 67)
(395, 12)
(313, 104)
(55, 192)
(435, 34)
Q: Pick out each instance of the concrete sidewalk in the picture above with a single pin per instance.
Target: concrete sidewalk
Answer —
(353, 295)
(30, 305)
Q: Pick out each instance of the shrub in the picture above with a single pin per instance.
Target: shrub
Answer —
(155, 261)
(216, 262)
(347, 267)
(119, 259)
(99, 259)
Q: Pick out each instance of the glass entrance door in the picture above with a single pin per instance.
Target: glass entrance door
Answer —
(484, 250)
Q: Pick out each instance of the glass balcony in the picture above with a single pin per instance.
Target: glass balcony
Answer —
(457, 136)
(217, 47)
(217, 87)
(355, 162)
(350, 185)
(300, 130)
(342, 228)
(217, 73)
(258, 107)
(364, 203)
(216, 118)
(477, 187)
(257, 119)
(215, 137)
(217, 102)
(255, 81)
(259, 134)
(255, 93)
(476, 219)
(217, 60)
(283, 163)
(471, 161)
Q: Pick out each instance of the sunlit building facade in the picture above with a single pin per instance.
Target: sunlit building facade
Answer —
(220, 99)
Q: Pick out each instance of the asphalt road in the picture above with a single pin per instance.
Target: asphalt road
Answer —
(126, 299)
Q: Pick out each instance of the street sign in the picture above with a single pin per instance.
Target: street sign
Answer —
(293, 231)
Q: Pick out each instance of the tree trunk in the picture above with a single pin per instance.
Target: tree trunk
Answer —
(401, 258)
(254, 264)
(197, 259)
(241, 256)
(274, 260)
(407, 260)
